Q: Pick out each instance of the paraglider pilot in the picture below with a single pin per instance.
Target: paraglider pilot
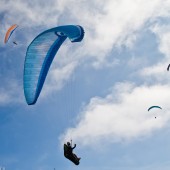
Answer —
(14, 42)
(68, 153)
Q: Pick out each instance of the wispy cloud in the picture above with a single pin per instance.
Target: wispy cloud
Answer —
(158, 71)
(58, 77)
(11, 93)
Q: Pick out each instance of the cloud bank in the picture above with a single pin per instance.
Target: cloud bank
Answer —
(124, 118)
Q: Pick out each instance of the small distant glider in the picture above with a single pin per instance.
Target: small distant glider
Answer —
(9, 32)
(154, 107)
(168, 67)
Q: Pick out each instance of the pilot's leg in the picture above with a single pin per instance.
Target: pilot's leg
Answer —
(76, 156)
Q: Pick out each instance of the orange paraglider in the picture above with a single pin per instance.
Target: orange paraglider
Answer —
(9, 32)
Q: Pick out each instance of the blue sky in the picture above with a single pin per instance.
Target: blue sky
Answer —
(97, 92)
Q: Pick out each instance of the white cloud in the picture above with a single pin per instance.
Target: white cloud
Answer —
(11, 93)
(159, 71)
(58, 77)
(163, 34)
(156, 73)
(118, 24)
(124, 118)
(31, 13)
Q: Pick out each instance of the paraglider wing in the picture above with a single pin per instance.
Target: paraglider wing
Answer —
(154, 107)
(168, 67)
(40, 54)
(9, 32)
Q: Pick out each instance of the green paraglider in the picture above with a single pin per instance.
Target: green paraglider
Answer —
(154, 107)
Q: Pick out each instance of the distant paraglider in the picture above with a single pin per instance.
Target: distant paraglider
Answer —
(168, 67)
(40, 54)
(9, 32)
(154, 107)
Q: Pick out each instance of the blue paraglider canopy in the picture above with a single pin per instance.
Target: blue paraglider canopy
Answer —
(40, 54)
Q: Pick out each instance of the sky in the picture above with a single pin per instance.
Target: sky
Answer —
(97, 91)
